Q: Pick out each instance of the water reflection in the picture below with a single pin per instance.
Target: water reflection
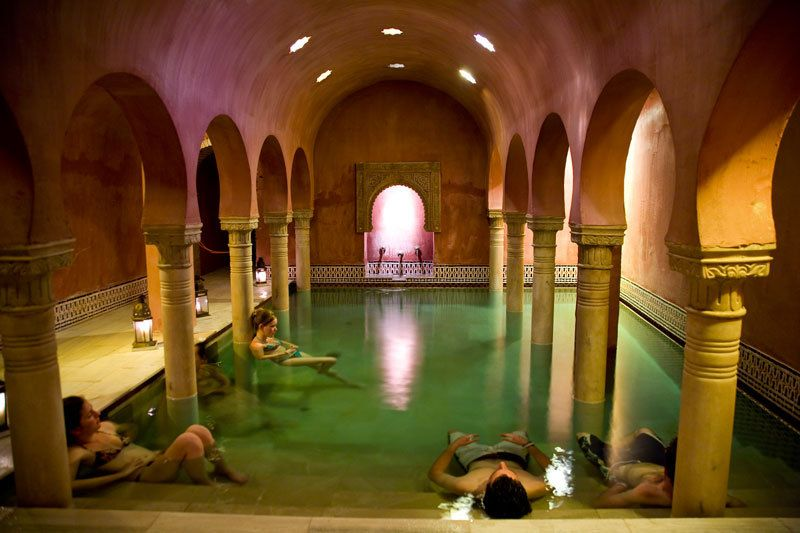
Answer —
(400, 349)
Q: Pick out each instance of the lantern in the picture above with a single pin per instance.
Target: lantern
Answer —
(142, 324)
(261, 272)
(200, 297)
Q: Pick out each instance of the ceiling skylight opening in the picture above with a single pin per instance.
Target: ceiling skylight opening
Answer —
(298, 44)
(483, 41)
(467, 75)
(323, 76)
(396, 65)
(391, 31)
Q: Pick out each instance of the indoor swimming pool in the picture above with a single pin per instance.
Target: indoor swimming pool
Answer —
(418, 362)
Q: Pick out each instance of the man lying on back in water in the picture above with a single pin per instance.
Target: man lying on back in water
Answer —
(497, 472)
(640, 470)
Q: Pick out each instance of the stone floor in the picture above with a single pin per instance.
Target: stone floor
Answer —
(96, 358)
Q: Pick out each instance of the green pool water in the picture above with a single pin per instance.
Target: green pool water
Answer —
(421, 361)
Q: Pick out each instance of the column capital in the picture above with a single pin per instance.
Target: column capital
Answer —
(723, 263)
(172, 234)
(173, 243)
(515, 223)
(302, 218)
(34, 259)
(495, 213)
(277, 218)
(238, 223)
(544, 230)
(597, 235)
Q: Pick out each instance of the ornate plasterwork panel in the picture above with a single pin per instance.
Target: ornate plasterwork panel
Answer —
(424, 178)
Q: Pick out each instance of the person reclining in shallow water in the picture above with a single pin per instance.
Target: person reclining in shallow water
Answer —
(498, 472)
(639, 469)
(210, 378)
(265, 346)
(100, 454)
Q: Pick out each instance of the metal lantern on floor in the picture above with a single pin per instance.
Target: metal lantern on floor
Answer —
(200, 297)
(142, 324)
(261, 272)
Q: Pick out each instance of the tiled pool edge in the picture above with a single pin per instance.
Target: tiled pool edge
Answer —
(770, 382)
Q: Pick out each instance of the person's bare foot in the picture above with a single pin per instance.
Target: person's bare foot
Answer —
(237, 477)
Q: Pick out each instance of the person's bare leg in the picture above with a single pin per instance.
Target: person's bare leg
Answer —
(214, 455)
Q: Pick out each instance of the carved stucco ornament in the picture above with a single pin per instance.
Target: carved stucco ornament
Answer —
(424, 178)
(750, 261)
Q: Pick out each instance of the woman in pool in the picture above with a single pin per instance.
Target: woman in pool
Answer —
(265, 346)
(99, 452)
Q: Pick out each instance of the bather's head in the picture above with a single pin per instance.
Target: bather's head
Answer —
(80, 419)
(264, 318)
(505, 496)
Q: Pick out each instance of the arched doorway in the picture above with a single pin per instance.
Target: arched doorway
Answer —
(398, 246)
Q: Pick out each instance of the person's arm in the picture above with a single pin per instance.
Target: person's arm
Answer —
(437, 474)
(620, 496)
(259, 351)
(78, 456)
(538, 455)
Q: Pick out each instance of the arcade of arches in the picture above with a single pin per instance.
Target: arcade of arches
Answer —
(657, 142)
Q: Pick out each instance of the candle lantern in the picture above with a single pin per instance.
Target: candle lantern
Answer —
(200, 297)
(3, 412)
(142, 324)
(261, 272)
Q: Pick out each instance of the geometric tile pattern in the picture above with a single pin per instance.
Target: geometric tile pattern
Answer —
(80, 308)
(770, 381)
(658, 310)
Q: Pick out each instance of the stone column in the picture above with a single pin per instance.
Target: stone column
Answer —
(591, 309)
(302, 243)
(496, 239)
(279, 258)
(544, 277)
(33, 384)
(241, 265)
(174, 245)
(711, 355)
(515, 268)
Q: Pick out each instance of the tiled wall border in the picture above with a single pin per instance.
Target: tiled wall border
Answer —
(772, 382)
(80, 308)
(442, 275)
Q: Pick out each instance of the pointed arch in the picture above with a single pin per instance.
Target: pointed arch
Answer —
(598, 197)
(167, 187)
(16, 195)
(274, 193)
(547, 174)
(495, 180)
(237, 198)
(740, 146)
(515, 183)
(302, 188)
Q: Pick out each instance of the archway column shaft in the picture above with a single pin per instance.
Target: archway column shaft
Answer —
(496, 241)
(591, 309)
(711, 355)
(515, 269)
(33, 384)
(278, 224)
(302, 238)
(544, 277)
(174, 244)
(241, 267)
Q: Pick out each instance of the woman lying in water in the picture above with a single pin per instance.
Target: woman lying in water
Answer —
(265, 346)
(99, 454)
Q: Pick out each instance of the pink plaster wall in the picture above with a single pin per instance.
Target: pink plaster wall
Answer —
(102, 191)
(566, 250)
(400, 121)
(773, 303)
(649, 190)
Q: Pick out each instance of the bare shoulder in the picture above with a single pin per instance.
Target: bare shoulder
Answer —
(472, 482)
(534, 485)
(108, 426)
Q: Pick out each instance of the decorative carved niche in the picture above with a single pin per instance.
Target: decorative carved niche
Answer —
(424, 178)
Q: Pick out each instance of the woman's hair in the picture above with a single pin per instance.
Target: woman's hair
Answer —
(261, 316)
(73, 409)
